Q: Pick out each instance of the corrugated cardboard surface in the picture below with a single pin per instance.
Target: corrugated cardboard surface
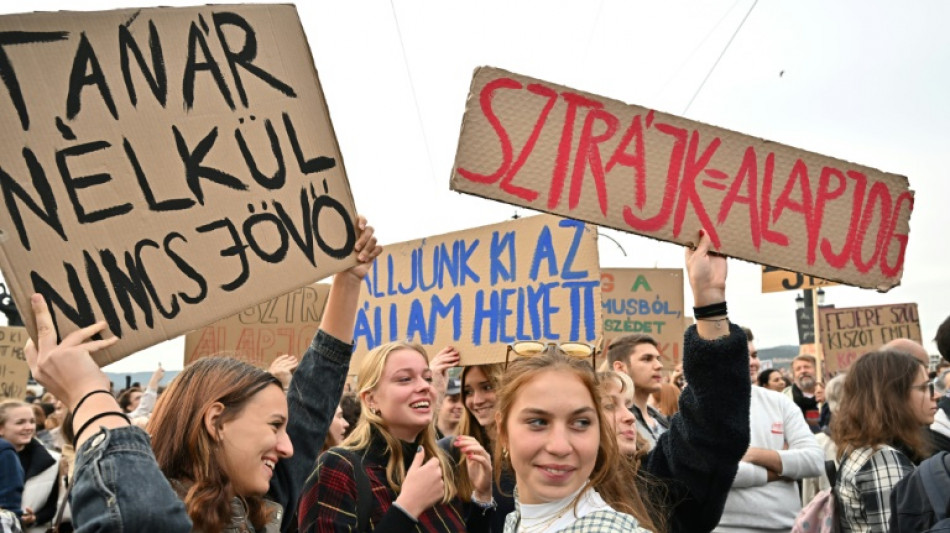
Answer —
(95, 182)
(848, 333)
(481, 289)
(647, 301)
(778, 280)
(261, 333)
(14, 372)
(551, 148)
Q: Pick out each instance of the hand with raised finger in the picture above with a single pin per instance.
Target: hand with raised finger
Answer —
(366, 248)
(707, 273)
(66, 369)
(423, 486)
(478, 463)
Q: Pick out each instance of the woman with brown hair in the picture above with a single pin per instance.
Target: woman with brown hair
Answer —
(230, 456)
(886, 401)
(666, 400)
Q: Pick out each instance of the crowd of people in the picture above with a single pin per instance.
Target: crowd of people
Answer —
(559, 437)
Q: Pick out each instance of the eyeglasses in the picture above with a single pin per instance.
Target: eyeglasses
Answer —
(577, 350)
(925, 387)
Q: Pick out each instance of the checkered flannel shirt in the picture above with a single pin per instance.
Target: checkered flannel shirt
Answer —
(865, 481)
(605, 521)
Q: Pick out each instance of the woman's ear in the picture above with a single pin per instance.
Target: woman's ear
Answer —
(369, 400)
(212, 419)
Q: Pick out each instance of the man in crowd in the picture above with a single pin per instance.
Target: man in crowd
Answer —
(450, 412)
(754, 363)
(764, 496)
(638, 356)
(802, 389)
(940, 429)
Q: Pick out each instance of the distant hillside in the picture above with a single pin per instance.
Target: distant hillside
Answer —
(779, 355)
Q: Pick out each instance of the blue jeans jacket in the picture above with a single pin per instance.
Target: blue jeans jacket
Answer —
(119, 487)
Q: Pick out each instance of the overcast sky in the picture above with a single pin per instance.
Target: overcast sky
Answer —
(865, 81)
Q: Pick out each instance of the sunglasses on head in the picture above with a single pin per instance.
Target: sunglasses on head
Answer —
(576, 350)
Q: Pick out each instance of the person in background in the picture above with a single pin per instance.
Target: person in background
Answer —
(11, 475)
(877, 430)
(764, 496)
(41, 479)
(754, 363)
(811, 486)
(450, 412)
(666, 400)
(802, 390)
(771, 379)
(940, 429)
(638, 356)
(338, 427)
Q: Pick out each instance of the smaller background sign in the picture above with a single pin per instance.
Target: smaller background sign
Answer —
(261, 333)
(648, 301)
(14, 372)
(848, 333)
(777, 280)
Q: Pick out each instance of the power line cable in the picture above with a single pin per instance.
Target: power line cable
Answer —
(721, 54)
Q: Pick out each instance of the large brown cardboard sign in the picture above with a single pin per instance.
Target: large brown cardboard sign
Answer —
(481, 289)
(848, 333)
(261, 333)
(551, 148)
(164, 168)
(14, 372)
(778, 280)
(647, 301)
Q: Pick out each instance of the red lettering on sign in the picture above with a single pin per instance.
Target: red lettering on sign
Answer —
(748, 175)
(888, 270)
(672, 180)
(484, 100)
(567, 140)
(636, 160)
(687, 188)
(588, 154)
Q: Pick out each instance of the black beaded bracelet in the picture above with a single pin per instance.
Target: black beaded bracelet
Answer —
(710, 311)
(97, 417)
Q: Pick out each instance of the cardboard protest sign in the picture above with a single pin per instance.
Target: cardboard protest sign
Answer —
(481, 289)
(261, 333)
(164, 168)
(777, 280)
(648, 301)
(14, 372)
(848, 333)
(551, 148)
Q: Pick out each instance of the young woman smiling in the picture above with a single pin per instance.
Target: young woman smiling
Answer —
(565, 448)
(224, 432)
(393, 448)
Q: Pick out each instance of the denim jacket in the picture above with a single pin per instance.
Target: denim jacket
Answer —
(119, 487)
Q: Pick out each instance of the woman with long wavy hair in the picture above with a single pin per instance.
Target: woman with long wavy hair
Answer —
(886, 402)
(393, 448)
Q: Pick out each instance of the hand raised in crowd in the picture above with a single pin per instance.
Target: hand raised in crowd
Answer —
(423, 486)
(478, 463)
(68, 371)
(156, 378)
(283, 368)
(440, 365)
(366, 248)
(707, 273)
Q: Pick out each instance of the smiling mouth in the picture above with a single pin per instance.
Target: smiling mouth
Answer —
(423, 404)
(269, 463)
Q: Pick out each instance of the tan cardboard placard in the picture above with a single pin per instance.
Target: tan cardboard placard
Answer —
(164, 168)
(261, 333)
(850, 332)
(481, 289)
(14, 372)
(648, 301)
(778, 280)
(551, 148)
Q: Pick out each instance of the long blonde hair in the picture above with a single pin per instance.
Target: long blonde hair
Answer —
(371, 370)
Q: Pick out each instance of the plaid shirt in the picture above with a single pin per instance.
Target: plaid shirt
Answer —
(865, 481)
(329, 502)
(606, 521)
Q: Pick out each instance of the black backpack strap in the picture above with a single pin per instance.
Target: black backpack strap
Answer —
(364, 493)
(832, 472)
